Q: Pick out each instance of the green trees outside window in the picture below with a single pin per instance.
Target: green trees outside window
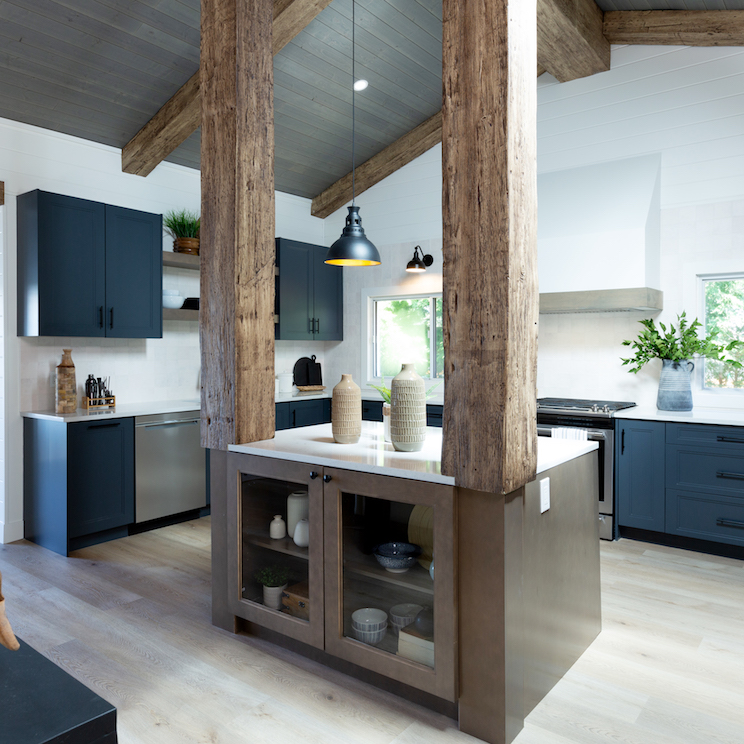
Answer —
(724, 312)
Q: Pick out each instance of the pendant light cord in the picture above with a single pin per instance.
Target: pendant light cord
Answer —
(353, 100)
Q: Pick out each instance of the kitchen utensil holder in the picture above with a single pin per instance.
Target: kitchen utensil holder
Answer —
(107, 402)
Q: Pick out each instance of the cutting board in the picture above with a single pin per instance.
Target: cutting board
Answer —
(307, 372)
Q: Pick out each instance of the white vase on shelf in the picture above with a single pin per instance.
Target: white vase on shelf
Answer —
(302, 534)
(298, 507)
(277, 528)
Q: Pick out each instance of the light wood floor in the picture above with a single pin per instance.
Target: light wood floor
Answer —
(131, 619)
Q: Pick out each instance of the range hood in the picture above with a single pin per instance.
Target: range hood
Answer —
(641, 299)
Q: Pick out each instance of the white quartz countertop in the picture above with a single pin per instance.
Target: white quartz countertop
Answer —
(121, 411)
(371, 454)
(720, 416)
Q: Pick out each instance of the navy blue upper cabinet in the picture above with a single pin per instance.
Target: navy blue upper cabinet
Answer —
(309, 294)
(87, 269)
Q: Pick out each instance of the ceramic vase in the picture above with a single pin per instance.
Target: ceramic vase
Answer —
(408, 410)
(272, 596)
(675, 393)
(65, 394)
(277, 528)
(298, 507)
(386, 422)
(346, 411)
(302, 534)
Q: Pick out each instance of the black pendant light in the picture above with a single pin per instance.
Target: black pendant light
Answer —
(353, 248)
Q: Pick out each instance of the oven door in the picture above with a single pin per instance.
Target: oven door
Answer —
(605, 439)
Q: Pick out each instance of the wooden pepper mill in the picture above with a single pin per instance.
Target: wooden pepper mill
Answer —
(7, 637)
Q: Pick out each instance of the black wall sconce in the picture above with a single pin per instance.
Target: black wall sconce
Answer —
(420, 261)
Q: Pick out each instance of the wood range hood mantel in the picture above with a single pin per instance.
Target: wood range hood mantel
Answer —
(636, 299)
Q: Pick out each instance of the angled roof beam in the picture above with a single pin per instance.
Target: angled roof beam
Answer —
(570, 40)
(180, 117)
(675, 27)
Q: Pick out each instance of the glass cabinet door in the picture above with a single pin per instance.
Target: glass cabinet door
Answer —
(389, 577)
(277, 580)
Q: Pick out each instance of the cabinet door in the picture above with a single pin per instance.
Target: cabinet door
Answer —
(371, 410)
(100, 476)
(328, 298)
(282, 416)
(61, 266)
(363, 511)
(134, 274)
(258, 490)
(639, 450)
(307, 412)
(295, 261)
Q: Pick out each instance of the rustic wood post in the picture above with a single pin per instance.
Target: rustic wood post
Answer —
(489, 205)
(236, 320)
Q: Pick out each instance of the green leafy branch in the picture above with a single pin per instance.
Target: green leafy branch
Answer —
(386, 393)
(676, 344)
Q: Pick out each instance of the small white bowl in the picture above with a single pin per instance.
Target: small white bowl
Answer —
(172, 302)
(171, 292)
(370, 637)
(365, 617)
(403, 614)
(370, 627)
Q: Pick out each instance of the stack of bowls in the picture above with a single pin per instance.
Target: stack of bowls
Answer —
(403, 614)
(172, 299)
(369, 625)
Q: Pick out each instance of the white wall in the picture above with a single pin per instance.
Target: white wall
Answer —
(684, 105)
(140, 369)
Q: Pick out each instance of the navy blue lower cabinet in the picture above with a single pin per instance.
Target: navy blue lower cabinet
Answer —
(705, 516)
(434, 415)
(282, 416)
(371, 410)
(309, 412)
(640, 474)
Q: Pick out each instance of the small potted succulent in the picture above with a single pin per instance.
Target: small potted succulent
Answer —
(183, 226)
(274, 581)
(675, 347)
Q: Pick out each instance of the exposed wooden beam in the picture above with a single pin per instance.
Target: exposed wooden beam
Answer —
(236, 320)
(489, 210)
(387, 161)
(570, 41)
(180, 117)
(675, 27)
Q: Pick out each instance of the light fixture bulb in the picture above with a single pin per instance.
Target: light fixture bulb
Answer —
(360, 84)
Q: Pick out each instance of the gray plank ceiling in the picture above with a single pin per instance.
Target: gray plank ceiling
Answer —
(100, 69)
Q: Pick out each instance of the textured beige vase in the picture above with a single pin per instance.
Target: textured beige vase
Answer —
(346, 417)
(65, 397)
(408, 410)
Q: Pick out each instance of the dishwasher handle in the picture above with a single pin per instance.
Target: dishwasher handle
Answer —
(170, 422)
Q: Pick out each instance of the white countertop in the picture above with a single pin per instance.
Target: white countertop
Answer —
(121, 411)
(314, 445)
(720, 416)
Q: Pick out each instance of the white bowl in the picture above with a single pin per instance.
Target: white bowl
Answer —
(172, 302)
(369, 627)
(371, 637)
(171, 292)
(404, 614)
(368, 616)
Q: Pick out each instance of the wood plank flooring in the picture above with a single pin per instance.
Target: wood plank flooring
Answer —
(131, 619)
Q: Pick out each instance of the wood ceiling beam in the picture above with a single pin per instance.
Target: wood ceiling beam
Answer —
(180, 117)
(570, 39)
(675, 27)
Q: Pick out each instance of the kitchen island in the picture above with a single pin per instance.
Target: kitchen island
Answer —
(511, 602)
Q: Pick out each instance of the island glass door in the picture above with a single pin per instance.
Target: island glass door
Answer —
(266, 489)
(385, 611)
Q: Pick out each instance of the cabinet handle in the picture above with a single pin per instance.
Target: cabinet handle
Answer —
(100, 316)
(294, 417)
(730, 476)
(310, 325)
(317, 325)
(622, 443)
(734, 440)
(327, 478)
(313, 474)
(104, 426)
(730, 523)
(111, 318)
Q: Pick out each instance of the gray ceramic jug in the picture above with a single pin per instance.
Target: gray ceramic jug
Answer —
(675, 393)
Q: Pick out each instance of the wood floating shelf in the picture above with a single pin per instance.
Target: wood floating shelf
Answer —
(286, 545)
(640, 299)
(180, 260)
(179, 314)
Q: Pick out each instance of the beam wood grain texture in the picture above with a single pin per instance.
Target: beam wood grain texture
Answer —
(570, 42)
(180, 117)
(236, 322)
(489, 209)
(676, 27)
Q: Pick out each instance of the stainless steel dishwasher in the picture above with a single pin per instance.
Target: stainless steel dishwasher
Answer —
(170, 465)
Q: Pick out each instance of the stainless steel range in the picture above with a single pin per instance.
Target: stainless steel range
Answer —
(594, 416)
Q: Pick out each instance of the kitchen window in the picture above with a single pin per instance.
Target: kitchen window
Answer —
(723, 303)
(407, 329)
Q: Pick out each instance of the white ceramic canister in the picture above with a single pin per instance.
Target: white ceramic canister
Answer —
(408, 410)
(285, 382)
(277, 528)
(346, 411)
(298, 507)
(302, 533)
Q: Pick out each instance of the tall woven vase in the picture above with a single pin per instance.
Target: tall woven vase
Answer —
(65, 397)
(408, 414)
(346, 416)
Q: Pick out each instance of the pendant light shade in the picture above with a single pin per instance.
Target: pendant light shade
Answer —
(353, 248)
(419, 262)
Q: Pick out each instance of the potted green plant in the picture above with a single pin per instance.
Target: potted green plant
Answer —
(675, 347)
(183, 226)
(274, 581)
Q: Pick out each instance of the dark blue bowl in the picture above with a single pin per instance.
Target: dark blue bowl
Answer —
(397, 557)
